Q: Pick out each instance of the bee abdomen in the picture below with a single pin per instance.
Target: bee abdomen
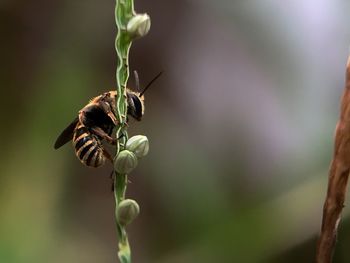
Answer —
(87, 148)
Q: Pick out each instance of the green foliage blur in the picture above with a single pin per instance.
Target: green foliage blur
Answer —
(240, 128)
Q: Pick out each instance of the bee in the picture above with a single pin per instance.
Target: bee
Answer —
(95, 122)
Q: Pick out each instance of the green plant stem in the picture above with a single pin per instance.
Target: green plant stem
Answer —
(120, 183)
(124, 10)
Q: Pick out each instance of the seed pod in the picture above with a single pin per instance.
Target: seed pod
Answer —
(139, 145)
(127, 211)
(126, 161)
(138, 25)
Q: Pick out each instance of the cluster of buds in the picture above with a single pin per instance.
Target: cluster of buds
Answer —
(135, 148)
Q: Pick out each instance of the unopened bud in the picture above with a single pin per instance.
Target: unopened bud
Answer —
(127, 211)
(125, 162)
(139, 145)
(138, 25)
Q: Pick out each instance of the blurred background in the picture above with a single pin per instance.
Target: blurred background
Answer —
(240, 127)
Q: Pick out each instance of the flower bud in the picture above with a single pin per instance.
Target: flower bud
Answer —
(139, 145)
(138, 25)
(125, 162)
(127, 211)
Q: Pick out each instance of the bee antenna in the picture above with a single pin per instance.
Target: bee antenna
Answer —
(137, 80)
(150, 83)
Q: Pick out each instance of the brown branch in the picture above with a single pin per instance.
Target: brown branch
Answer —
(337, 181)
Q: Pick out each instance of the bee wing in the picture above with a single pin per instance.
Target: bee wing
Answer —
(66, 135)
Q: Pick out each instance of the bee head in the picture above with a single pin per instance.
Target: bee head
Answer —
(136, 106)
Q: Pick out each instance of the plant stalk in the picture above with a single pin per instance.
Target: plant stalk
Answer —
(124, 11)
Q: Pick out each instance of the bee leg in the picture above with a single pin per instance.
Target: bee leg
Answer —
(98, 131)
(112, 176)
(109, 111)
(122, 135)
(107, 155)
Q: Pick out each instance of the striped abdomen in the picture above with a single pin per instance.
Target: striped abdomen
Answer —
(87, 147)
